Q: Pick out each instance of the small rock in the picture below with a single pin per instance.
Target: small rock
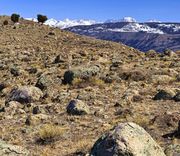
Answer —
(2, 86)
(42, 83)
(15, 71)
(178, 77)
(36, 110)
(127, 139)
(58, 59)
(77, 107)
(177, 97)
(32, 70)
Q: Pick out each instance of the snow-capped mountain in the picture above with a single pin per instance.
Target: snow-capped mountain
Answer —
(65, 23)
(68, 23)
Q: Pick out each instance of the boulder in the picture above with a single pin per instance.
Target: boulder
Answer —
(24, 94)
(82, 73)
(77, 107)
(164, 94)
(12, 150)
(126, 139)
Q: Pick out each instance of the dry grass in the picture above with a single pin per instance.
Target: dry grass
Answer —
(49, 133)
(94, 81)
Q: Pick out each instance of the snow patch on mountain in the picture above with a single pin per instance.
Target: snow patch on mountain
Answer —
(174, 27)
(136, 27)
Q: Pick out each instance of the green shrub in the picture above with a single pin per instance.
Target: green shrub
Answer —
(41, 18)
(15, 18)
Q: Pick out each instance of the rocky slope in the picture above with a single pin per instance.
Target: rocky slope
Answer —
(143, 36)
(59, 92)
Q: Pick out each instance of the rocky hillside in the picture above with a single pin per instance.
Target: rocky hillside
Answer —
(60, 92)
(143, 36)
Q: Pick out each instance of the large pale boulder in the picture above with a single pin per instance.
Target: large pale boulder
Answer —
(24, 94)
(127, 139)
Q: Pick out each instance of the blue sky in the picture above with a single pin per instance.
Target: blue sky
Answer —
(100, 10)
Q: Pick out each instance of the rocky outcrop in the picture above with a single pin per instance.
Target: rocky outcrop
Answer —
(127, 139)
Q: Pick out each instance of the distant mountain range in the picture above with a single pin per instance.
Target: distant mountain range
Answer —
(143, 36)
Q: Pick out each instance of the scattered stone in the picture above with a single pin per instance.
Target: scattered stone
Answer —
(2, 86)
(32, 70)
(36, 110)
(58, 59)
(24, 94)
(127, 139)
(42, 83)
(12, 150)
(15, 71)
(77, 107)
(164, 95)
(178, 77)
(177, 97)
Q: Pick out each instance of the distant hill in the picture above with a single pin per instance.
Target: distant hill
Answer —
(143, 36)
